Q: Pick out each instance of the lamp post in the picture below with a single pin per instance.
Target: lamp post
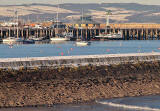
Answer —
(108, 13)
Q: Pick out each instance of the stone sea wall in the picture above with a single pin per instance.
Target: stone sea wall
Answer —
(78, 60)
(110, 77)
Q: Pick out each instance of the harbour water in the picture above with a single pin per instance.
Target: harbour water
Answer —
(145, 103)
(69, 48)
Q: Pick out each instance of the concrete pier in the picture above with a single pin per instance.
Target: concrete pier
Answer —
(69, 61)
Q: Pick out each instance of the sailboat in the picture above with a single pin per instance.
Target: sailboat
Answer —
(37, 37)
(110, 36)
(13, 39)
(81, 42)
(57, 36)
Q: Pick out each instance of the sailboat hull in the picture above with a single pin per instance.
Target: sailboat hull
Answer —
(82, 43)
(12, 39)
(59, 39)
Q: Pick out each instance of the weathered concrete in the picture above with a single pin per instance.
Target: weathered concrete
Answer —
(78, 60)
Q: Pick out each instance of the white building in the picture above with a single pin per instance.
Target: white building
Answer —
(38, 26)
(9, 24)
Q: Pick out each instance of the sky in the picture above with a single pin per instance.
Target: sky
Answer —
(16, 2)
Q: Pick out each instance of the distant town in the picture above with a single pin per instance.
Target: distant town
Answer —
(80, 22)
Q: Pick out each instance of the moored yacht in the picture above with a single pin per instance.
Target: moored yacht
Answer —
(28, 41)
(12, 39)
(110, 36)
(59, 36)
(82, 43)
(59, 39)
(37, 38)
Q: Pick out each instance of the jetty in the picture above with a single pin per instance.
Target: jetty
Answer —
(88, 31)
(75, 61)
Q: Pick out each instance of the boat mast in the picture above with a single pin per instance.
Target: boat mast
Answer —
(57, 17)
(37, 26)
(17, 25)
(14, 20)
(82, 26)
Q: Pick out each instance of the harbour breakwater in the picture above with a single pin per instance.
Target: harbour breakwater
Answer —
(90, 78)
(71, 61)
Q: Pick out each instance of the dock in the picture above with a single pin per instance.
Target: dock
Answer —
(129, 31)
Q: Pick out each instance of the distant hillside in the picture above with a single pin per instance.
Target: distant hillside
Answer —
(121, 12)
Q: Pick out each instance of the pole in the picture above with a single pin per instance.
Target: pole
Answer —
(17, 25)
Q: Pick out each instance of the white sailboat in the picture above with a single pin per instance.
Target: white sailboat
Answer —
(110, 36)
(13, 39)
(80, 42)
(37, 38)
(57, 37)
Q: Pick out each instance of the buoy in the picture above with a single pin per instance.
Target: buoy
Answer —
(71, 48)
(158, 48)
(62, 53)
(108, 50)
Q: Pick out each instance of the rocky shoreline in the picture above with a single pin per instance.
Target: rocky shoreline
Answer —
(65, 85)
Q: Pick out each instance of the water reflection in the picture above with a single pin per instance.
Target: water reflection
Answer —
(43, 42)
(58, 42)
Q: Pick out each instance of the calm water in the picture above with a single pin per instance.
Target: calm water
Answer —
(69, 48)
(146, 103)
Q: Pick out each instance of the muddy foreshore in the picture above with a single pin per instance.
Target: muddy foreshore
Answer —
(64, 85)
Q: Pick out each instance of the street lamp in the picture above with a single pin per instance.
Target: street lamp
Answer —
(108, 13)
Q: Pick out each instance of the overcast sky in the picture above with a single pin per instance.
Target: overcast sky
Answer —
(148, 2)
